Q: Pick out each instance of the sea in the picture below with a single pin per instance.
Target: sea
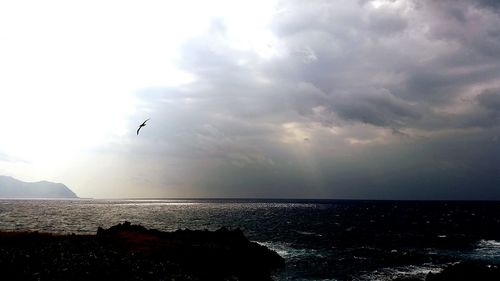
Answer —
(319, 239)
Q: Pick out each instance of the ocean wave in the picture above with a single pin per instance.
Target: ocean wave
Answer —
(288, 252)
(489, 244)
(484, 250)
(283, 275)
(409, 271)
(308, 233)
(487, 250)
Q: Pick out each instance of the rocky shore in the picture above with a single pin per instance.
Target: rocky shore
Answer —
(132, 252)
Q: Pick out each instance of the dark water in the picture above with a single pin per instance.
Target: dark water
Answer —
(320, 240)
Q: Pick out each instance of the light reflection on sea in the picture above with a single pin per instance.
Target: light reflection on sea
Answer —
(85, 216)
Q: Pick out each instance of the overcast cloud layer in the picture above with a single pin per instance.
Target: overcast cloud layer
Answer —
(337, 99)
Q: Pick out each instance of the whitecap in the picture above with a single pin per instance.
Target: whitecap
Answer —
(307, 233)
(409, 271)
(288, 252)
(489, 243)
(488, 250)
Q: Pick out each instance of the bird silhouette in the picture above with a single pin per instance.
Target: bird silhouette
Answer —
(142, 125)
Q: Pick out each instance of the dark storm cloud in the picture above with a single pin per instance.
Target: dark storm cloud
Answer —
(471, 25)
(378, 108)
(429, 65)
(487, 113)
(490, 99)
(435, 168)
(395, 101)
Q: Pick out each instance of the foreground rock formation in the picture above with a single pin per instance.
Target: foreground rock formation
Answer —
(132, 252)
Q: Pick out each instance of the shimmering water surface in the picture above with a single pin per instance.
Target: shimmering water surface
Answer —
(320, 239)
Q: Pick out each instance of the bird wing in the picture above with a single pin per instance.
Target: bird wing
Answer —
(142, 125)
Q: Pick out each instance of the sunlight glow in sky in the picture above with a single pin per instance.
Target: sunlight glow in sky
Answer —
(70, 71)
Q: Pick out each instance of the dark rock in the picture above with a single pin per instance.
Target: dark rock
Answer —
(212, 255)
(132, 252)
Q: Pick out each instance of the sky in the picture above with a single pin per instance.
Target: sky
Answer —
(343, 99)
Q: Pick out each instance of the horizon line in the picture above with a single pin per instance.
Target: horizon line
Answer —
(259, 199)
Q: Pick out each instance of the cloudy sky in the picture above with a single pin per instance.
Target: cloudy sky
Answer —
(382, 99)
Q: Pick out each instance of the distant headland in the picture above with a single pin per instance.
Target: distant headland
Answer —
(14, 188)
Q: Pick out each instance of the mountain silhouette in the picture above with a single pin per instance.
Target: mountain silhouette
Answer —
(13, 188)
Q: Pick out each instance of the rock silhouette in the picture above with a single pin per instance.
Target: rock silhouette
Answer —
(132, 252)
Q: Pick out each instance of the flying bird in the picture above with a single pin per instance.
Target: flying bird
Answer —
(142, 125)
